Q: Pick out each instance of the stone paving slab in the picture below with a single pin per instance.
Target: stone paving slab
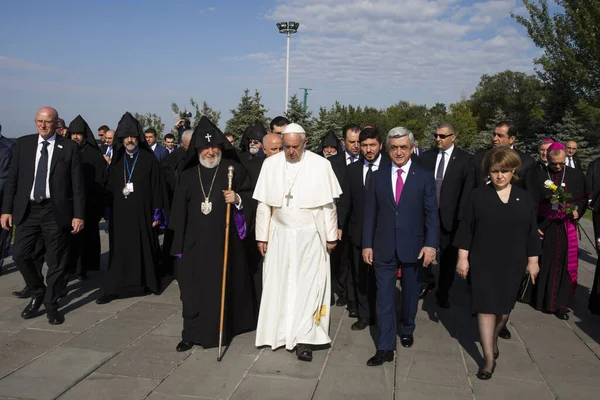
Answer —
(53, 373)
(125, 350)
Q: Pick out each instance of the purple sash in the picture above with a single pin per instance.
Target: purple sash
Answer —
(546, 211)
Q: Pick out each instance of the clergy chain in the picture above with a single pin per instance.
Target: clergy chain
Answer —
(211, 184)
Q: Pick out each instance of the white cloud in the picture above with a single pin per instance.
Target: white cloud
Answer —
(422, 46)
(23, 65)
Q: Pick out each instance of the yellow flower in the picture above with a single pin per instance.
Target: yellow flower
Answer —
(553, 187)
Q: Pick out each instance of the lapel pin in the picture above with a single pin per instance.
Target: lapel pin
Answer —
(60, 146)
(517, 199)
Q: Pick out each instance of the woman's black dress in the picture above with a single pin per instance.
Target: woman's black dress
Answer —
(500, 237)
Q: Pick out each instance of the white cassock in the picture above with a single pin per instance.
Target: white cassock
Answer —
(294, 307)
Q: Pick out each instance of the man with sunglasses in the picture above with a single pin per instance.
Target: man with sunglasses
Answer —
(450, 167)
(557, 280)
(253, 135)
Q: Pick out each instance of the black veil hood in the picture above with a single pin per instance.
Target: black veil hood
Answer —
(80, 126)
(256, 132)
(330, 140)
(207, 134)
(128, 126)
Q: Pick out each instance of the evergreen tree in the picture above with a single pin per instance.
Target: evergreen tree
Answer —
(571, 129)
(249, 111)
(151, 120)
(206, 110)
(483, 139)
(297, 114)
(329, 120)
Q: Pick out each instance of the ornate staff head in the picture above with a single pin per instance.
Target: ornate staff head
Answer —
(230, 176)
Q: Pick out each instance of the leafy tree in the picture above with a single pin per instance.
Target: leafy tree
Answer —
(570, 40)
(249, 111)
(296, 113)
(571, 129)
(483, 139)
(206, 110)
(465, 124)
(151, 120)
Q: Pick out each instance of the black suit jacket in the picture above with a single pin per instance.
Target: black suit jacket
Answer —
(455, 186)
(527, 162)
(338, 164)
(351, 205)
(6, 152)
(66, 181)
(576, 161)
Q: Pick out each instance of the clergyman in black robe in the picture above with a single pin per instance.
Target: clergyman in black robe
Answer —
(137, 206)
(557, 280)
(253, 135)
(593, 189)
(198, 223)
(330, 145)
(85, 246)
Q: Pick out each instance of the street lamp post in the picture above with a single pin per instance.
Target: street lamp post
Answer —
(287, 28)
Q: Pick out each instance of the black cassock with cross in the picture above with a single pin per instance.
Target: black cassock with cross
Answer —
(199, 240)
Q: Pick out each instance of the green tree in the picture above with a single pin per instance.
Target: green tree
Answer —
(297, 114)
(570, 40)
(483, 138)
(571, 129)
(465, 125)
(329, 120)
(206, 110)
(151, 120)
(249, 111)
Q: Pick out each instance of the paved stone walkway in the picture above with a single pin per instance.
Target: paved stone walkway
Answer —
(126, 350)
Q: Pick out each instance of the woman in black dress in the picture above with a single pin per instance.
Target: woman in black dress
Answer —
(498, 242)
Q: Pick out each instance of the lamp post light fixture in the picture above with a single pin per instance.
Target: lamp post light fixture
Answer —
(287, 28)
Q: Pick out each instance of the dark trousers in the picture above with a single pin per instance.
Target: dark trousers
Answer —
(361, 286)
(85, 248)
(448, 259)
(386, 275)
(5, 237)
(40, 222)
(339, 268)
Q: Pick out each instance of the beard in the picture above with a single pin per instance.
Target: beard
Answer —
(210, 164)
(253, 150)
(131, 147)
(330, 154)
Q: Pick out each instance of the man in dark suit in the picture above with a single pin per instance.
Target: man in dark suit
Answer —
(417, 150)
(361, 285)
(504, 134)
(573, 160)
(339, 256)
(450, 167)
(44, 196)
(159, 150)
(108, 147)
(400, 227)
(6, 153)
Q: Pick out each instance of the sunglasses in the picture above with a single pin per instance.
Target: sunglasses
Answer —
(437, 135)
(254, 141)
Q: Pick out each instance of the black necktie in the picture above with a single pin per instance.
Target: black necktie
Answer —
(369, 173)
(39, 187)
(439, 177)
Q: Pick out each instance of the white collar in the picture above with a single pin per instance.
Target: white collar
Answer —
(153, 146)
(448, 151)
(49, 140)
(375, 163)
(405, 167)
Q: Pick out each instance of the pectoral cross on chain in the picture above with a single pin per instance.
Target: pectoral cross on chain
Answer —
(208, 136)
(288, 197)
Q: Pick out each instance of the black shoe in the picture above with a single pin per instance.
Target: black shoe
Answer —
(562, 314)
(304, 352)
(496, 355)
(505, 333)
(407, 341)
(486, 375)
(380, 357)
(184, 346)
(341, 302)
(23, 293)
(106, 298)
(359, 325)
(443, 303)
(425, 288)
(54, 316)
(353, 313)
(33, 307)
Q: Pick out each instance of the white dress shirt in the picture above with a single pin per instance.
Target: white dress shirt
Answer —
(349, 158)
(154, 146)
(447, 155)
(374, 168)
(570, 162)
(38, 155)
(404, 174)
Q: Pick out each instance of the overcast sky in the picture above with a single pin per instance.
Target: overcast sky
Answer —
(102, 58)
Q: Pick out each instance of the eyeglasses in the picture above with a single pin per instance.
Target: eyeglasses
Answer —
(254, 141)
(437, 135)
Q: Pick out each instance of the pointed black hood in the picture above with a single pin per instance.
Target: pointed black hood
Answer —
(80, 126)
(206, 134)
(330, 140)
(128, 127)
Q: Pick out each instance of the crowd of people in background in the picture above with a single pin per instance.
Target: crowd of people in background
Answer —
(309, 230)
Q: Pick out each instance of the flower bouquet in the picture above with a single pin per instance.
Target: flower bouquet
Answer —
(559, 198)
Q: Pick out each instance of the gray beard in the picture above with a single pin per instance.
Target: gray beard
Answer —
(208, 164)
(253, 150)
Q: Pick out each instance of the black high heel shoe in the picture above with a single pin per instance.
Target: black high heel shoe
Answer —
(486, 375)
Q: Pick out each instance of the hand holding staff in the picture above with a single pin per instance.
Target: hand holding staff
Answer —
(225, 253)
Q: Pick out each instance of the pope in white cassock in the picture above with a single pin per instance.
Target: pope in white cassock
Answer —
(296, 229)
